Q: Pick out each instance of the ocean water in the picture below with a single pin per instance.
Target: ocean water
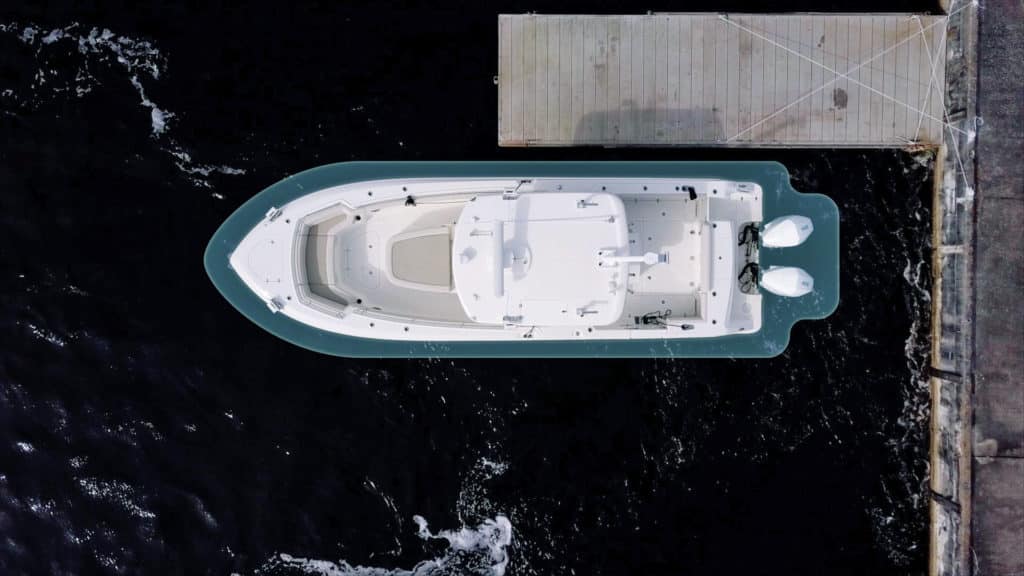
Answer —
(148, 428)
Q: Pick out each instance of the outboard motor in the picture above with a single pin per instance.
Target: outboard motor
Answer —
(787, 281)
(787, 231)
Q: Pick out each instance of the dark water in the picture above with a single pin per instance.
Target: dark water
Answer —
(147, 428)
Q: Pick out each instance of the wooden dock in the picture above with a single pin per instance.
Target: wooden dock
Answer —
(721, 80)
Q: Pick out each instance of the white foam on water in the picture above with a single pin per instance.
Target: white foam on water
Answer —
(474, 500)
(28, 34)
(47, 335)
(41, 507)
(491, 537)
(494, 468)
(387, 499)
(158, 118)
(480, 551)
(139, 59)
(114, 492)
(903, 496)
(53, 36)
(198, 172)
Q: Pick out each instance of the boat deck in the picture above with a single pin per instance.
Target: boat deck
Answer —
(671, 226)
(361, 251)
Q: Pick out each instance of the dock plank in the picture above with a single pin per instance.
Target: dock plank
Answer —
(577, 104)
(838, 91)
(755, 75)
(792, 41)
(673, 48)
(540, 79)
(901, 89)
(601, 78)
(625, 79)
(649, 65)
(936, 108)
(863, 79)
(732, 69)
(504, 68)
(914, 78)
(565, 119)
(777, 127)
(612, 100)
(708, 86)
(551, 81)
(826, 80)
(660, 62)
(721, 63)
(889, 71)
(697, 86)
(804, 54)
(878, 101)
(637, 93)
(823, 53)
(684, 66)
(529, 84)
(588, 47)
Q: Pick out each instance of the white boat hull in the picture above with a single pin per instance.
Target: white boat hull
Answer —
(363, 260)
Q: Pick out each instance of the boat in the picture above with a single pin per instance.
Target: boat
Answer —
(518, 256)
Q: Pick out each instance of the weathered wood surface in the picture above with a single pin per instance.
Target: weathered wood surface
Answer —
(721, 80)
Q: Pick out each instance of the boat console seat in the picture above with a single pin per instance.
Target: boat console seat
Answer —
(539, 259)
(421, 259)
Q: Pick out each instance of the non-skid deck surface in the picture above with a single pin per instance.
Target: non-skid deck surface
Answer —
(669, 226)
(721, 79)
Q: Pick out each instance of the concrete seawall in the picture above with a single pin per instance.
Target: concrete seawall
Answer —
(977, 464)
(997, 434)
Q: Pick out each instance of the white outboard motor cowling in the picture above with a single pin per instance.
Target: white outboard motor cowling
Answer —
(787, 281)
(787, 231)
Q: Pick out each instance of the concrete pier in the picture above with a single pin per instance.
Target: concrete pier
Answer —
(977, 471)
(953, 230)
(977, 465)
(997, 515)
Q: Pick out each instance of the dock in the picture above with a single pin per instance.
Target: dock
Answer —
(807, 80)
(951, 83)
